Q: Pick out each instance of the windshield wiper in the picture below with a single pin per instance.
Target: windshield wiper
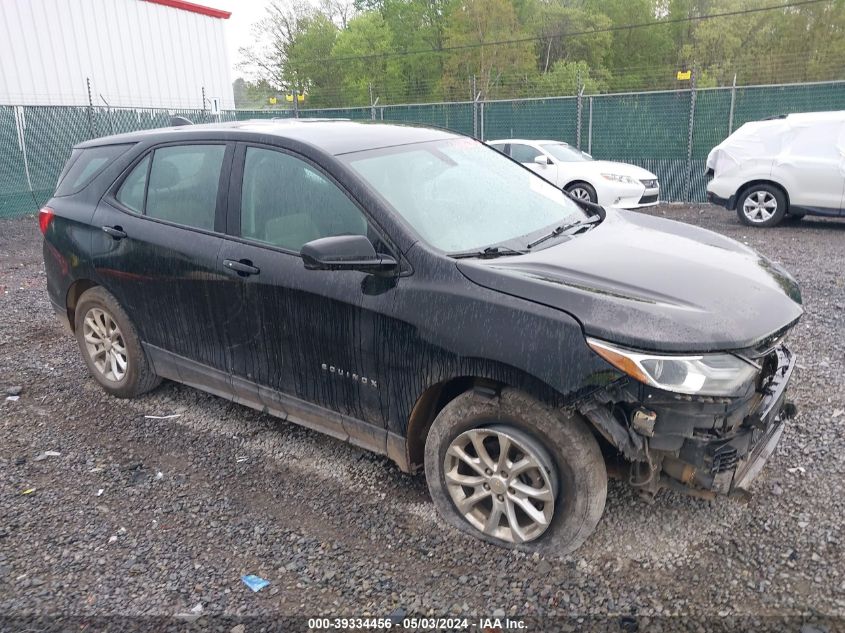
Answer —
(563, 228)
(489, 252)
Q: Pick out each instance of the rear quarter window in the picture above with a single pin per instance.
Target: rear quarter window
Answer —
(84, 165)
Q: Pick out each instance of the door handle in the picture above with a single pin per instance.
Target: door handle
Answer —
(244, 267)
(116, 232)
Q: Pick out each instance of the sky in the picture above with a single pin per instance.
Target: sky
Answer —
(245, 13)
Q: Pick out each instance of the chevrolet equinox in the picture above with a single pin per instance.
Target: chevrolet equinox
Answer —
(421, 295)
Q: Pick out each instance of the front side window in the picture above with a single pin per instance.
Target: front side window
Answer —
(183, 184)
(461, 195)
(524, 153)
(285, 202)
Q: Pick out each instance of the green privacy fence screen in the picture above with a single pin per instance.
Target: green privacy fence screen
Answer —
(669, 133)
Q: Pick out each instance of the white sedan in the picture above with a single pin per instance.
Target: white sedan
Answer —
(601, 181)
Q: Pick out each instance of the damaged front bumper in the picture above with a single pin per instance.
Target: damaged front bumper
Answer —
(699, 445)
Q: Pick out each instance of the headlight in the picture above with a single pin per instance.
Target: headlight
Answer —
(621, 178)
(701, 374)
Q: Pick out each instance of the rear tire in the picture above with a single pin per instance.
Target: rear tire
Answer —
(761, 205)
(110, 345)
(582, 191)
(557, 467)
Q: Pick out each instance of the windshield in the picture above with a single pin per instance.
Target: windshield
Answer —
(461, 195)
(565, 153)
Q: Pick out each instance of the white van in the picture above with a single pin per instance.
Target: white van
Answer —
(785, 167)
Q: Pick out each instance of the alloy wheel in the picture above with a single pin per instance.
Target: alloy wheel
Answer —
(580, 193)
(502, 481)
(759, 206)
(105, 345)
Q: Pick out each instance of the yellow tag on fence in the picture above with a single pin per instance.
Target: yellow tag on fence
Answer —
(684, 75)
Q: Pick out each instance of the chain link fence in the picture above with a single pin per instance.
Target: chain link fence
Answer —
(669, 133)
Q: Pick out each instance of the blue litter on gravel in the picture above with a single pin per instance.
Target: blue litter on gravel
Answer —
(256, 583)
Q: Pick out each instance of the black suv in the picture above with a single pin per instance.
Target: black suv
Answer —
(419, 294)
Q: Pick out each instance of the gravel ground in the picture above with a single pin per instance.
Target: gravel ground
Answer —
(141, 517)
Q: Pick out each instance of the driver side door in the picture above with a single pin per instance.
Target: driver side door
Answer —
(306, 337)
(526, 154)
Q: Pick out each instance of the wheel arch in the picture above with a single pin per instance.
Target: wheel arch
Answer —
(436, 396)
(761, 181)
(578, 181)
(75, 291)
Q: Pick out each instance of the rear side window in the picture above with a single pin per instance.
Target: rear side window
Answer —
(183, 184)
(134, 188)
(84, 165)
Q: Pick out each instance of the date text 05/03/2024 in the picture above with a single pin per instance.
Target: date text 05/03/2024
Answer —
(486, 625)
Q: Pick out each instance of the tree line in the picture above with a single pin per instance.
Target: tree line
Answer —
(347, 53)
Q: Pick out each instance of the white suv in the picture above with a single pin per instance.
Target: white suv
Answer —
(601, 181)
(786, 167)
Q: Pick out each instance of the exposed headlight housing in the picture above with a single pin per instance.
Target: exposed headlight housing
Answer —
(718, 374)
(621, 178)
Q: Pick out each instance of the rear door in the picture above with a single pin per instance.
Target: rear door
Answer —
(162, 226)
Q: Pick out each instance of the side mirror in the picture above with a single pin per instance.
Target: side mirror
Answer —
(345, 252)
(542, 160)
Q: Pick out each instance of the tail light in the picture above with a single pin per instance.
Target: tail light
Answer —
(45, 217)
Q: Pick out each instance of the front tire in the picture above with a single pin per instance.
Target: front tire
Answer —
(582, 191)
(761, 205)
(514, 473)
(110, 345)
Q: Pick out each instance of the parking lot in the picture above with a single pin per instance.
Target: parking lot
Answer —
(150, 516)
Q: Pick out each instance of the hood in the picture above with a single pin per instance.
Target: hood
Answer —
(652, 284)
(623, 169)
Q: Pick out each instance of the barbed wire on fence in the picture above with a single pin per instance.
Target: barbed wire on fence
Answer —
(668, 132)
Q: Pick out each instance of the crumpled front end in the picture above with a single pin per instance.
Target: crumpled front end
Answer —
(700, 445)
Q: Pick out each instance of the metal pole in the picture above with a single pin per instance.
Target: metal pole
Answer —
(579, 113)
(203, 102)
(108, 113)
(688, 186)
(295, 101)
(481, 120)
(91, 129)
(474, 109)
(579, 108)
(372, 104)
(20, 125)
(733, 102)
(590, 129)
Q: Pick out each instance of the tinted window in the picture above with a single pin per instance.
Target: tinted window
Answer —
(566, 153)
(524, 153)
(131, 192)
(285, 202)
(499, 147)
(87, 164)
(183, 184)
